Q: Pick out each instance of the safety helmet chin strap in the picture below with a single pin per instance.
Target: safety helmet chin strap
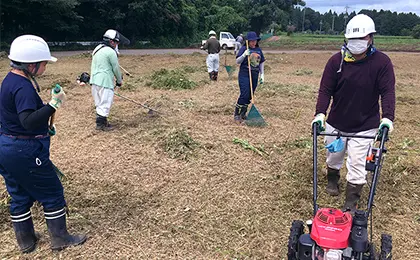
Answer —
(25, 68)
(107, 42)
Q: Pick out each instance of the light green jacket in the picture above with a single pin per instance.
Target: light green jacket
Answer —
(105, 67)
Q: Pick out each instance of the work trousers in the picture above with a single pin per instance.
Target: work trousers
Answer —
(212, 62)
(29, 174)
(244, 88)
(104, 97)
(356, 148)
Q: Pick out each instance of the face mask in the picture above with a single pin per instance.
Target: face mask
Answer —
(117, 50)
(356, 46)
(336, 146)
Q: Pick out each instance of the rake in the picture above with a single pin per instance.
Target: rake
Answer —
(229, 69)
(254, 117)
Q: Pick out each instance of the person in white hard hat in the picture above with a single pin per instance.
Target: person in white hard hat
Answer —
(25, 146)
(355, 78)
(104, 71)
(212, 45)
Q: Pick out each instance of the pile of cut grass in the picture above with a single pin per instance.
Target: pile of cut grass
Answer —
(170, 79)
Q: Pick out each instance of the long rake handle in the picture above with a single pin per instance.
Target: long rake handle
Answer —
(135, 102)
(249, 72)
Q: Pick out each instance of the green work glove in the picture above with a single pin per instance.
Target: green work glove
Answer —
(57, 97)
(320, 120)
(262, 78)
(385, 122)
(52, 131)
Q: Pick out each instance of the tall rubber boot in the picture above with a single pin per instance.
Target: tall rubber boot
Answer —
(353, 192)
(243, 111)
(333, 176)
(24, 231)
(100, 123)
(237, 115)
(215, 75)
(60, 237)
(211, 75)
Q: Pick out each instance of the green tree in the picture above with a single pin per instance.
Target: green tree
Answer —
(416, 31)
(261, 13)
(224, 19)
(50, 19)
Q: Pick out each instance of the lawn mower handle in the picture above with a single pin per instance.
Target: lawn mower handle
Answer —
(378, 160)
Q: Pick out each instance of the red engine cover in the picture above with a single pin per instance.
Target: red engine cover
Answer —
(331, 228)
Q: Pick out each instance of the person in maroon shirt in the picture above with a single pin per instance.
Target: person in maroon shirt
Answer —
(356, 78)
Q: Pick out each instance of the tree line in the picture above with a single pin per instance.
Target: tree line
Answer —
(386, 22)
(173, 23)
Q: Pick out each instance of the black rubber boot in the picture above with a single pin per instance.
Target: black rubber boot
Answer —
(333, 176)
(60, 237)
(353, 192)
(237, 115)
(211, 75)
(243, 111)
(102, 123)
(25, 233)
(215, 75)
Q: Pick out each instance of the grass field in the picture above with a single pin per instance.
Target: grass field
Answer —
(334, 42)
(177, 186)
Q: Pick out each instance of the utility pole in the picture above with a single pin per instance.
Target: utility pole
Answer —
(303, 20)
(332, 27)
(320, 27)
(346, 16)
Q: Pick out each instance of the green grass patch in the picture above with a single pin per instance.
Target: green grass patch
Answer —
(303, 72)
(170, 79)
(334, 42)
(189, 69)
(288, 89)
(246, 145)
(179, 144)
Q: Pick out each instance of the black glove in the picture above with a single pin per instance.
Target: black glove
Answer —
(118, 84)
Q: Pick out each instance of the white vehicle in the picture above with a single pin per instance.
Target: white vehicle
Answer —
(226, 40)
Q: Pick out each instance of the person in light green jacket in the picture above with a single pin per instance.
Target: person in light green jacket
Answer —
(104, 70)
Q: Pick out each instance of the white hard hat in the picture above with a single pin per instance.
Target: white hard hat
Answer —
(30, 49)
(212, 32)
(112, 35)
(360, 26)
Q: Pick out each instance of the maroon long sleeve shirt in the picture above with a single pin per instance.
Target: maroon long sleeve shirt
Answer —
(356, 91)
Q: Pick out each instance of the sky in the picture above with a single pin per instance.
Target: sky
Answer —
(338, 6)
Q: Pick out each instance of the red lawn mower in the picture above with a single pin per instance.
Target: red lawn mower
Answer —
(335, 234)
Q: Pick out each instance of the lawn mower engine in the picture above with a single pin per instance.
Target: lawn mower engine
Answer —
(335, 235)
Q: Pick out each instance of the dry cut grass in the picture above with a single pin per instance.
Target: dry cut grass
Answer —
(177, 186)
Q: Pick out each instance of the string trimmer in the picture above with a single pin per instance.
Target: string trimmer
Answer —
(151, 110)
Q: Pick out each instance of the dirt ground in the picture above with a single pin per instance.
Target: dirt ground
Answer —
(176, 186)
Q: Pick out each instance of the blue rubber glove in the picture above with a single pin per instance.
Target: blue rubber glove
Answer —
(336, 146)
